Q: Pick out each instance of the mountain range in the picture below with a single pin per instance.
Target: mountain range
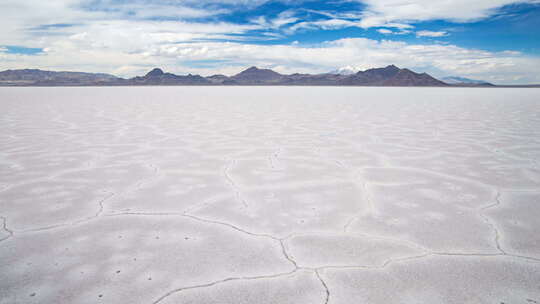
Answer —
(387, 76)
(28, 77)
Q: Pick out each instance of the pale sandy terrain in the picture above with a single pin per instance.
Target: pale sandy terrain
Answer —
(250, 195)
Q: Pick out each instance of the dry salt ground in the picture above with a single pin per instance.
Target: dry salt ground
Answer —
(269, 195)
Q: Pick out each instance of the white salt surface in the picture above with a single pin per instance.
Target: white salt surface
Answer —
(248, 195)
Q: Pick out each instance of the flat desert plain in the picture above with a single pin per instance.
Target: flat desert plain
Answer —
(258, 195)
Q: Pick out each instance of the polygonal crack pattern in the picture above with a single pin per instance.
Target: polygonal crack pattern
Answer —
(269, 195)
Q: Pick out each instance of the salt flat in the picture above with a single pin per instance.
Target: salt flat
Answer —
(269, 195)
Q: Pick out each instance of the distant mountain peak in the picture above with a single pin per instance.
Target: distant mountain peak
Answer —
(254, 75)
(391, 75)
(392, 68)
(255, 69)
(155, 72)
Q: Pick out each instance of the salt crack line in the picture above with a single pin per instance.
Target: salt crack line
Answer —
(522, 257)
(381, 266)
(233, 185)
(230, 226)
(212, 200)
(324, 285)
(199, 219)
(223, 281)
(77, 222)
(101, 202)
(5, 228)
(287, 255)
(485, 255)
(281, 241)
(363, 184)
(490, 223)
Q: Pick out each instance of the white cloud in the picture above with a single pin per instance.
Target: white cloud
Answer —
(329, 24)
(230, 58)
(100, 42)
(283, 18)
(21, 22)
(366, 53)
(431, 34)
(385, 31)
(397, 13)
(142, 10)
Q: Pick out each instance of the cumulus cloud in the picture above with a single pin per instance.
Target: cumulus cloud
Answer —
(397, 13)
(431, 34)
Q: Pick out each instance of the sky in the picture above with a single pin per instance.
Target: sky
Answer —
(492, 40)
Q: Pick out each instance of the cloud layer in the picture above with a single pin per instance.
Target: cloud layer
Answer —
(396, 13)
(128, 38)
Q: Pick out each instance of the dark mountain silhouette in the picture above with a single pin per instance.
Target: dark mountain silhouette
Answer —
(155, 73)
(387, 76)
(371, 76)
(254, 75)
(158, 77)
(391, 76)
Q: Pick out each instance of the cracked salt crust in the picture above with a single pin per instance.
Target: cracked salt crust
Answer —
(269, 195)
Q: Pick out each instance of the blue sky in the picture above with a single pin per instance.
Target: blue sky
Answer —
(493, 40)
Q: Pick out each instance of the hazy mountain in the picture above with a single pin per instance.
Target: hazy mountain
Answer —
(464, 81)
(45, 78)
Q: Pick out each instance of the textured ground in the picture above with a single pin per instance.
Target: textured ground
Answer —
(269, 195)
